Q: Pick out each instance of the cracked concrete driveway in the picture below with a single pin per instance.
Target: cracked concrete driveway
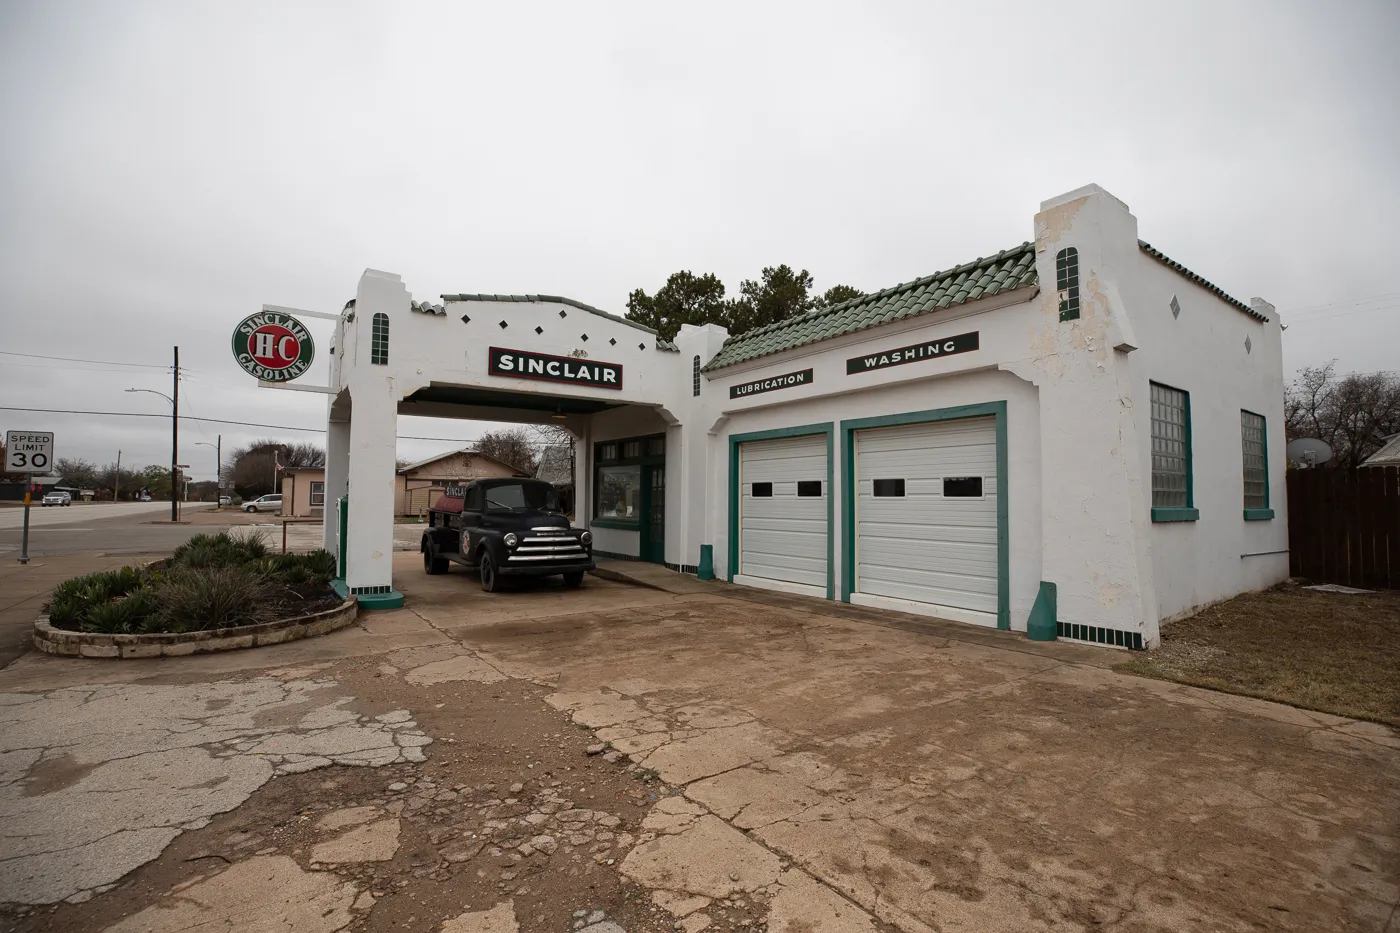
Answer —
(813, 772)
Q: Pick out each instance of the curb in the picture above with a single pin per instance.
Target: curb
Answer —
(67, 643)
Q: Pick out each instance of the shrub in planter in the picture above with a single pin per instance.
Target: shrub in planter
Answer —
(220, 597)
(211, 581)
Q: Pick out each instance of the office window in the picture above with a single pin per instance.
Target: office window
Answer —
(1171, 448)
(888, 488)
(379, 339)
(1256, 464)
(1067, 282)
(318, 495)
(619, 493)
(809, 489)
(762, 491)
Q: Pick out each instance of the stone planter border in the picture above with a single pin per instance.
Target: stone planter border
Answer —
(170, 645)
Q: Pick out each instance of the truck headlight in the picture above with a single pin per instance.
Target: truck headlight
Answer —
(511, 540)
(586, 538)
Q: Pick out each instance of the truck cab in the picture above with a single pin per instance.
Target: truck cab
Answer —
(505, 527)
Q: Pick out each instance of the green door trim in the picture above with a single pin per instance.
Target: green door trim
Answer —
(647, 543)
(848, 500)
(806, 430)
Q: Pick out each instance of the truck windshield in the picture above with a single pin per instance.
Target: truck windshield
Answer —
(523, 497)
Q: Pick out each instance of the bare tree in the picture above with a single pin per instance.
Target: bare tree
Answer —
(251, 468)
(78, 472)
(514, 446)
(1353, 413)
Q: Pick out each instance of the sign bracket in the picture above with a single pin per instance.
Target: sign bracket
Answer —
(324, 390)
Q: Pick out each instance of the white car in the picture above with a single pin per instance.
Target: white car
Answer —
(56, 498)
(269, 503)
(225, 500)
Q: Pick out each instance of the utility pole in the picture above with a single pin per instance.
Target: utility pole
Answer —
(219, 472)
(175, 440)
(117, 481)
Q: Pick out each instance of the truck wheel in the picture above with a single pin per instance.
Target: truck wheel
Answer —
(574, 579)
(490, 580)
(432, 564)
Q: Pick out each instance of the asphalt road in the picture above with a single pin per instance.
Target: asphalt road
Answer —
(97, 528)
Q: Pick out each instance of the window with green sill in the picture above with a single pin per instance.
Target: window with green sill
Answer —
(1172, 493)
(1255, 454)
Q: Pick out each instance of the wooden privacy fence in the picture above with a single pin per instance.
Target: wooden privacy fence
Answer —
(1344, 526)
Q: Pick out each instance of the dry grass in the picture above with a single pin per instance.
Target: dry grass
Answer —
(1323, 651)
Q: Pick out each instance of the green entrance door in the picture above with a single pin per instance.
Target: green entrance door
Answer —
(654, 514)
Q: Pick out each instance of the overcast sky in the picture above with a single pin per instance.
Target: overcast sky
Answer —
(169, 167)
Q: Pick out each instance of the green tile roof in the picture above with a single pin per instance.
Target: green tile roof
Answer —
(427, 308)
(1007, 271)
(1172, 264)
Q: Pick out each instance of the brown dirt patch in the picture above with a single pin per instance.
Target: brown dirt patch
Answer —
(460, 822)
(1332, 652)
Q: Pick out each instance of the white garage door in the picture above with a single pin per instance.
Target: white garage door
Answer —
(783, 514)
(926, 519)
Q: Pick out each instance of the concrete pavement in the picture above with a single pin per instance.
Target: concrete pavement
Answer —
(100, 528)
(793, 767)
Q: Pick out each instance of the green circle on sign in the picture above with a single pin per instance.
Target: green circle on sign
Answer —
(273, 346)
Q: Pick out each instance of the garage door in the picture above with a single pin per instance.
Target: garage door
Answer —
(926, 519)
(783, 514)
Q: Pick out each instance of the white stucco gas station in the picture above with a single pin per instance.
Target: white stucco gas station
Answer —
(1074, 437)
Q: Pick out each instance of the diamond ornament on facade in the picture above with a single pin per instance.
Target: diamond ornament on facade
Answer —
(1176, 307)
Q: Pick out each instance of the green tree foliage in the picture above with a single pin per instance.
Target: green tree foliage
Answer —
(778, 294)
(686, 298)
(835, 295)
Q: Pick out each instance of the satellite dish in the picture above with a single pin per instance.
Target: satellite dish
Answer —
(1308, 451)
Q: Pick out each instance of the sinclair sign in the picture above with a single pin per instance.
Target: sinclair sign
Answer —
(273, 346)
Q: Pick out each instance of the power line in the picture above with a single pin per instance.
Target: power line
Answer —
(69, 359)
(246, 424)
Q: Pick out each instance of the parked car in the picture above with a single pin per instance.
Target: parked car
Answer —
(505, 528)
(56, 498)
(225, 500)
(268, 503)
(144, 497)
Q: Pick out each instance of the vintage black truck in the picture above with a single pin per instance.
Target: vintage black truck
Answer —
(505, 528)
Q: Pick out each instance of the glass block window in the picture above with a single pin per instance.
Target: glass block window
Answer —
(695, 370)
(379, 339)
(1067, 282)
(1256, 464)
(1171, 448)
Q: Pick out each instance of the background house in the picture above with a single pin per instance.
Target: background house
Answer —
(416, 486)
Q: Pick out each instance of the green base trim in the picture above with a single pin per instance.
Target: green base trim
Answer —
(1176, 515)
(621, 524)
(387, 598)
(390, 600)
(612, 555)
(1044, 614)
(706, 570)
(1258, 515)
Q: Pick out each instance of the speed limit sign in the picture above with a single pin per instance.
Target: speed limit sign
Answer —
(28, 451)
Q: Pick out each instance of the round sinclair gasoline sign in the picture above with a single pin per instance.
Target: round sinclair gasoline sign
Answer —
(273, 346)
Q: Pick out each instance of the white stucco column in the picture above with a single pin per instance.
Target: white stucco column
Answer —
(1095, 550)
(373, 433)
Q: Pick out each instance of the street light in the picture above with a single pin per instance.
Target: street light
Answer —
(174, 439)
(218, 470)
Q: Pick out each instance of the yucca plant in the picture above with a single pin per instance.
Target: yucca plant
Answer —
(215, 598)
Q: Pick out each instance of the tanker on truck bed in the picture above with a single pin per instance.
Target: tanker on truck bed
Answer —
(505, 528)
